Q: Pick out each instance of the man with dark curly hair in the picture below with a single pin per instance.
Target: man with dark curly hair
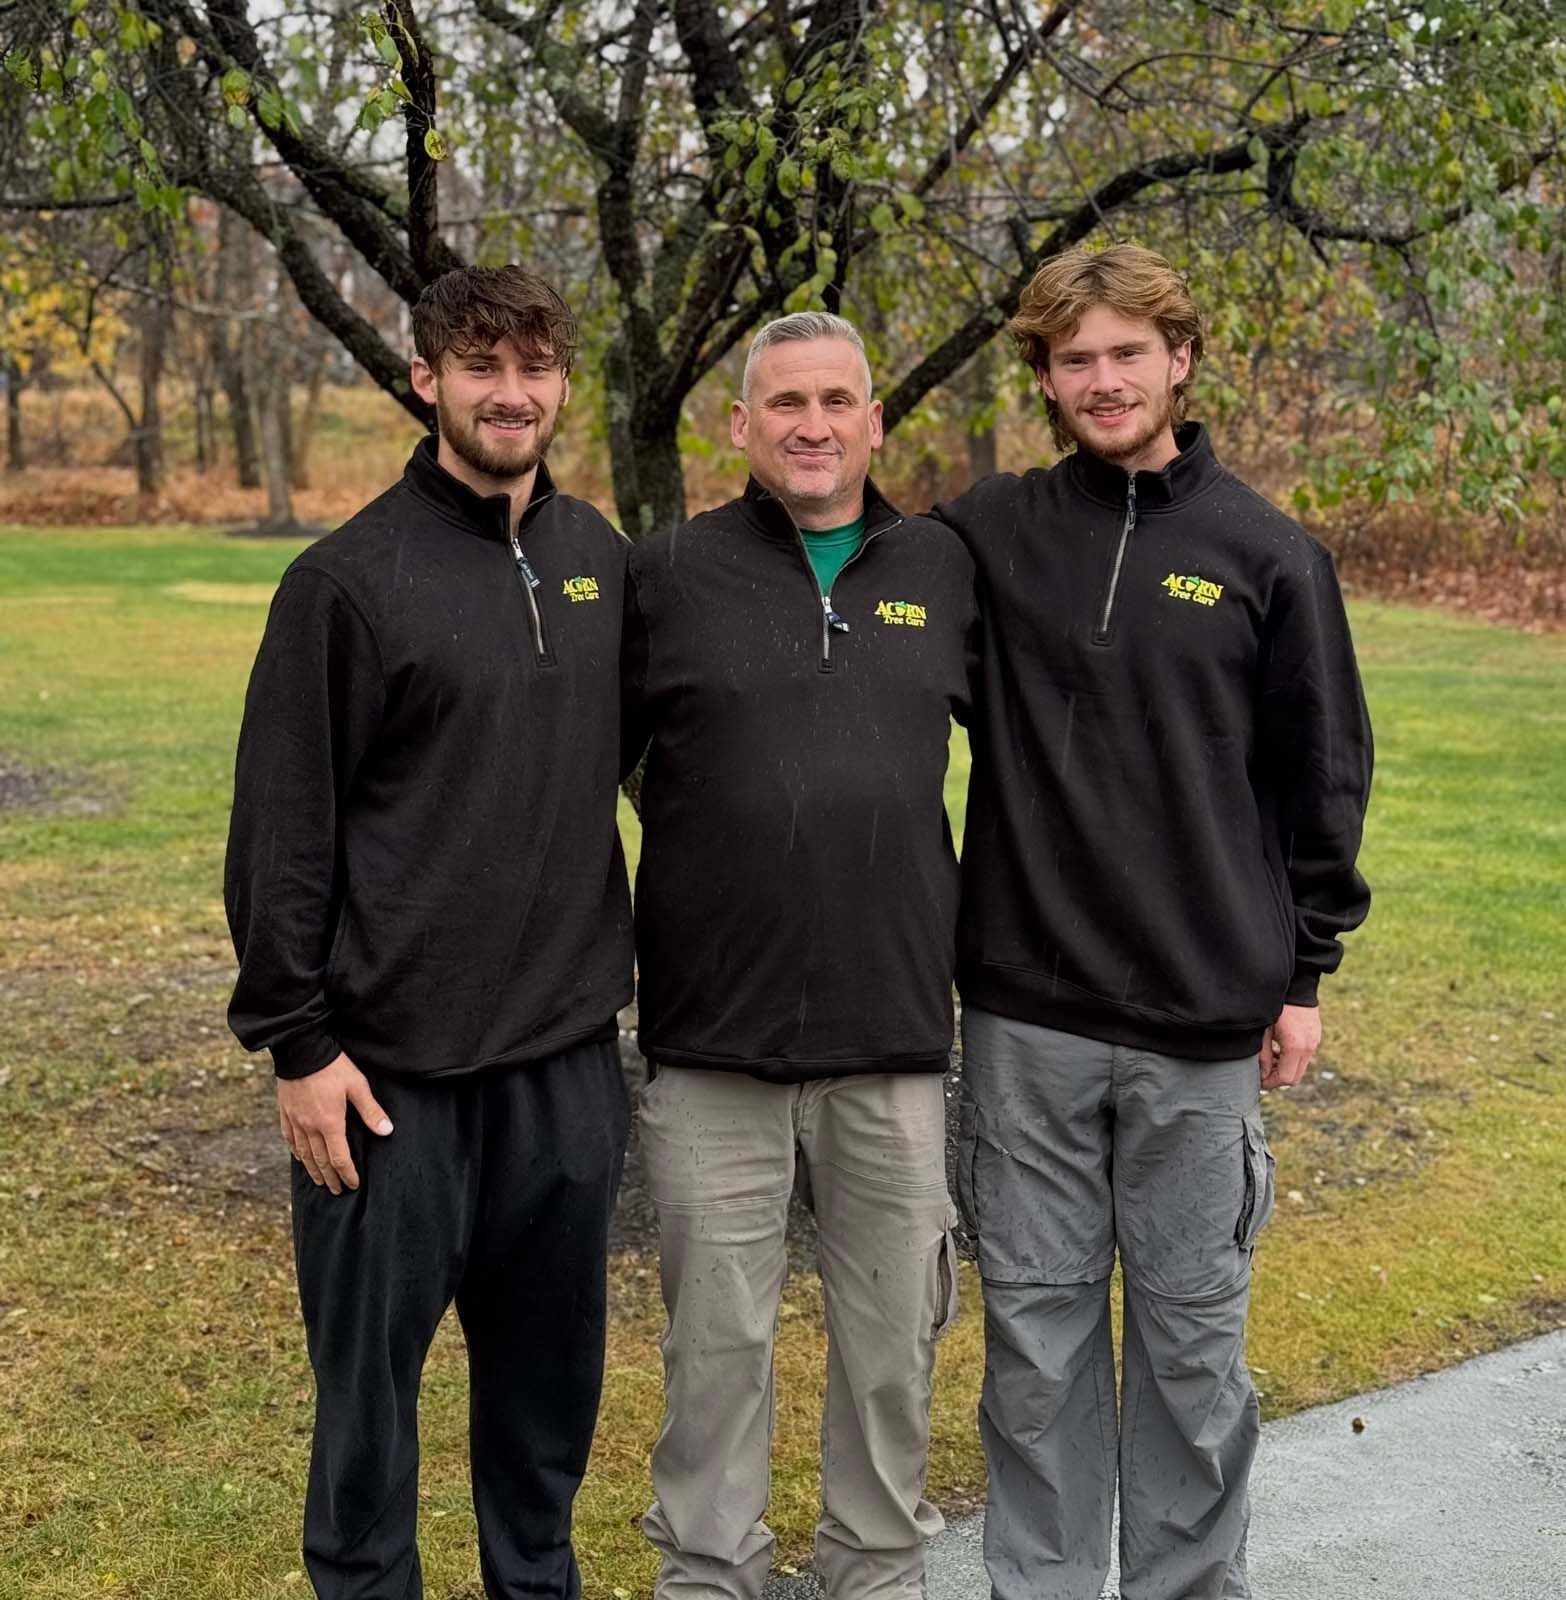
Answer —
(1171, 760)
(429, 903)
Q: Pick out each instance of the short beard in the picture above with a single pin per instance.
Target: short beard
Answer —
(467, 443)
(1154, 423)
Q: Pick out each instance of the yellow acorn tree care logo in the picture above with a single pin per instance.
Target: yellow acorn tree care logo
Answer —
(1202, 590)
(578, 589)
(902, 614)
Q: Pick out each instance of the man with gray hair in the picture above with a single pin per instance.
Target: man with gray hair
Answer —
(795, 658)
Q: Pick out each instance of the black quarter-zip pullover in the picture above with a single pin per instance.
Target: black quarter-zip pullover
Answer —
(1171, 761)
(797, 896)
(423, 865)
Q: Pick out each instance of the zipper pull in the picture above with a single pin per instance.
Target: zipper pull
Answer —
(834, 622)
(524, 566)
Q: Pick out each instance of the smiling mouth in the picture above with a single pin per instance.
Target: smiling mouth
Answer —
(509, 424)
(1109, 413)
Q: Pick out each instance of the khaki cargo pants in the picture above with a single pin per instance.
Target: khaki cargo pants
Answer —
(720, 1152)
(1070, 1149)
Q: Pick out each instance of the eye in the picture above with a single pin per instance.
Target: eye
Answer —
(539, 369)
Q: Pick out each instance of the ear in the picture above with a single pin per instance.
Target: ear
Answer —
(1045, 386)
(877, 432)
(422, 377)
(1180, 364)
(739, 424)
(565, 389)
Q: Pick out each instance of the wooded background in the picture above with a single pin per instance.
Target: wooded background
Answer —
(245, 197)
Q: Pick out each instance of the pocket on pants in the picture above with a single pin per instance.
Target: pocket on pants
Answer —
(1260, 1183)
(946, 1277)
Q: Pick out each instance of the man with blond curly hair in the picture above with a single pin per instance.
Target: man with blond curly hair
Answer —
(1171, 762)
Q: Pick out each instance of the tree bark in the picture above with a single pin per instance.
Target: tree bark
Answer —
(269, 384)
(156, 320)
(980, 396)
(206, 428)
(644, 450)
(15, 454)
(236, 281)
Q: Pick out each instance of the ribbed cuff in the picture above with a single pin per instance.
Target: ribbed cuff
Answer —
(1302, 988)
(303, 1053)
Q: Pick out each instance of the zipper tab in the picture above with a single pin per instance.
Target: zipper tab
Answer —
(1101, 633)
(524, 570)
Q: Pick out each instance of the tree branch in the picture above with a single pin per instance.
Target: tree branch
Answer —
(1096, 209)
(357, 206)
(431, 255)
(979, 114)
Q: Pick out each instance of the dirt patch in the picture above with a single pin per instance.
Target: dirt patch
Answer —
(52, 791)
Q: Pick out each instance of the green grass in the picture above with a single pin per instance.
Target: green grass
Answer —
(154, 1397)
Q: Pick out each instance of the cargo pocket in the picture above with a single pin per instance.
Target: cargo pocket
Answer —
(1259, 1183)
(946, 1277)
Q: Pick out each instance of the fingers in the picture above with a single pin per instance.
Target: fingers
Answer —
(318, 1163)
(1288, 1066)
(342, 1167)
(1264, 1057)
(313, 1113)
(368, 1107)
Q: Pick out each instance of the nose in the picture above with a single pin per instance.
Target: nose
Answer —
(1106, 376)
(811, 425)
(510, 388)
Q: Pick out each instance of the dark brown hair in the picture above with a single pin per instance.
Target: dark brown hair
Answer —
(475, 308)
(1131, 281)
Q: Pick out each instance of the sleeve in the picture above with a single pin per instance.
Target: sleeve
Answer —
(973, 648)
(635, 717)
(1315, 747)
(316, 697)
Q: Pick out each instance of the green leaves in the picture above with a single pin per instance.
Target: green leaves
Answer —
(19, 66)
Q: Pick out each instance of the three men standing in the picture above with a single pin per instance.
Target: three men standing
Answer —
(428, 899)
(1171, 760)
(1171, 763)
(796, 657)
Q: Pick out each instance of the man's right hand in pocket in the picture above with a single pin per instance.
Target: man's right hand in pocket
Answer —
(314, 1116)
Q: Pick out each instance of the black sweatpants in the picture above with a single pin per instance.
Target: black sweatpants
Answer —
(495, 1191)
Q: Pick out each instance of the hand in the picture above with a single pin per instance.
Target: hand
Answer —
(314, 1114)
(1288, 1046)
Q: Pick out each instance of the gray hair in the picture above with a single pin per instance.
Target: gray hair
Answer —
(805, 325)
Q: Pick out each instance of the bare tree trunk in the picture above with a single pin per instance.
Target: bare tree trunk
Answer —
(304, 435)
(236, 279)
(268, 383)
(147, 436)
(206, 421)
(978, 389)
(15, 454)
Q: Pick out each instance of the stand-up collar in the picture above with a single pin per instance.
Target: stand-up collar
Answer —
(1191, 472)
(772, 517)
(487, 515)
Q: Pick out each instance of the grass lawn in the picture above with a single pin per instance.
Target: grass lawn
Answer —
(154, 1394)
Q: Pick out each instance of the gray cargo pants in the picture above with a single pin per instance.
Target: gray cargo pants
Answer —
(720, 1156)
(1070, 1148)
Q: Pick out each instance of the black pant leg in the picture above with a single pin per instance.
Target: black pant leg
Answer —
(377, 1268)
(533, 1306)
